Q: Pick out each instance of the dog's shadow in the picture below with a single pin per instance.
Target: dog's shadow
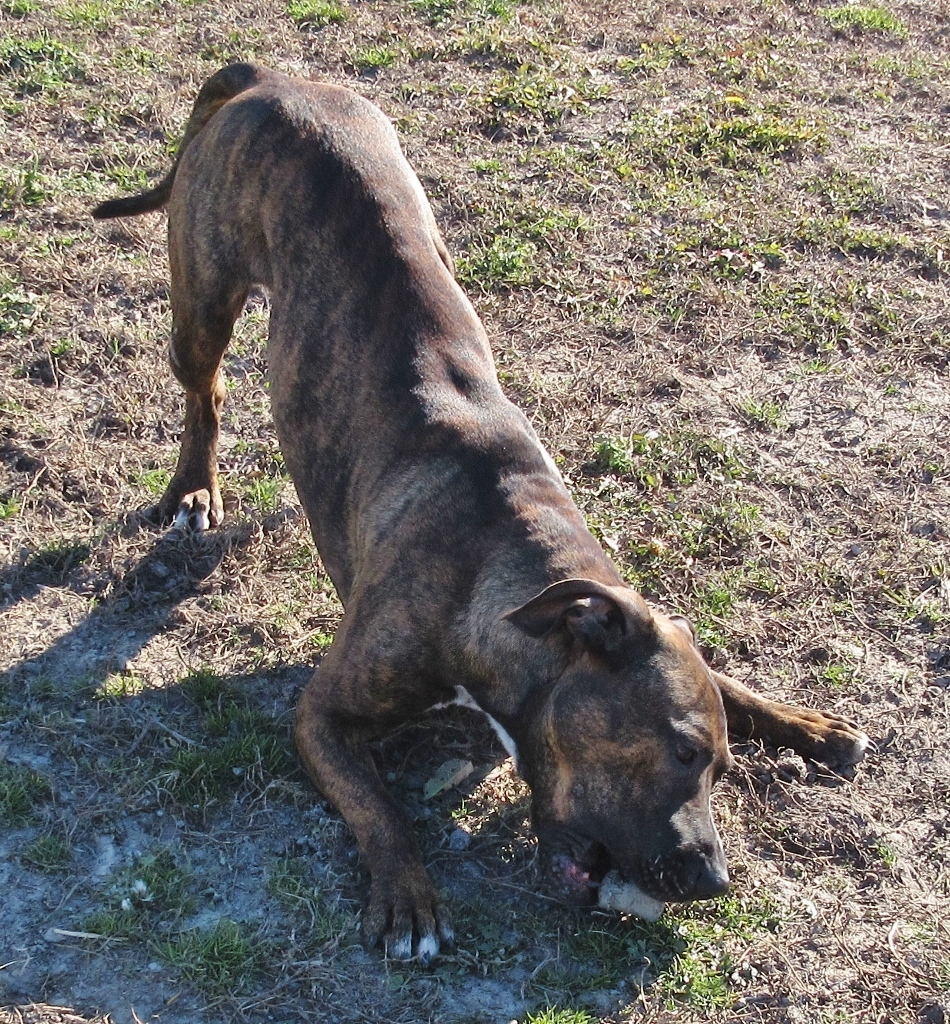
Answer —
(128, 609)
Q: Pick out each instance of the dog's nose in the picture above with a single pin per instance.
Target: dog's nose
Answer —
(711, 879)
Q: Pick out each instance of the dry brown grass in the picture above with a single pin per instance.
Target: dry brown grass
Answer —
(719, 231)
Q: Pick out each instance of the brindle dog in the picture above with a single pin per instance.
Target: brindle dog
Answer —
(466, 571)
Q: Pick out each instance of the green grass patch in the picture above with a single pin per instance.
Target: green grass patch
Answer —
(722, 251)
(245, 746)
(49, 852)
(436, 12)
(94, 14)
(703, 971)
(657, 56)
(225, 959)
(373, 58)
(536, 95)
(119, 685)
(22, 186)
(863, 18)
(764, 414)
(559, 1015)
(263, 493)
(836, 675)
(155, 481)
(316, 14)
(17, 8)
(137, 58)
(59, 557)
(512, 256)
(847, 192)
(290, 883)
(9, 507)
(693, 142)
(39, 65)
(691, 956)
(505, 262)
(806, 315)
(656, 461)
(18, 309)
(22, 790)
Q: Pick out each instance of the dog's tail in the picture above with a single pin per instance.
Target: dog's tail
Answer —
(221, 87)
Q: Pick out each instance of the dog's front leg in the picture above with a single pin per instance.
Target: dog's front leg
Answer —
(814, 734)
(405, 912)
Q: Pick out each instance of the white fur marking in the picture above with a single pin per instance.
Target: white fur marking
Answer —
(400, 949)
(465, 700)
(428, 948)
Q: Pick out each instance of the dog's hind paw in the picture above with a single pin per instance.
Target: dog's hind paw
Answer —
(196, 511)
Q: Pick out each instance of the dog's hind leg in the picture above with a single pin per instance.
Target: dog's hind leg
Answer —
(203, 315)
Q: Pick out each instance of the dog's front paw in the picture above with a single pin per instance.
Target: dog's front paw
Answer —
(407, 917)
(829, 738)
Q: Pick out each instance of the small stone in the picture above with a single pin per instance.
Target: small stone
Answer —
(460, 840)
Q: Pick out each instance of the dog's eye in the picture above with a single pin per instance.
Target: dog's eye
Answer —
(685, 754)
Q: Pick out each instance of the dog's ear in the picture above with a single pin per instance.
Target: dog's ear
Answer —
(601, 618)
(686, 626)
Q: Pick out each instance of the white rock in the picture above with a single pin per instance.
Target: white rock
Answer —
(627, 898)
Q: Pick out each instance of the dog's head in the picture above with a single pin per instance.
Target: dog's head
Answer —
(623, 748)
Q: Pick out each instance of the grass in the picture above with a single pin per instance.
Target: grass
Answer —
(244, 748)
(48, 852)
(316, 14)
(374, 57)
(154, 481)
(534, 95)
(437, 12)
(557, 1015)
(291, 884)
(263, 494)
(118, 685)
(691, 957)
(503, 263)
(766, 414)
(672, 460)
(863, 18)
(23, 187)
(9, 507)
(59, 557)
(41, 64)
(18, 309)
(150, 896)
(225, 959)
(22, 792)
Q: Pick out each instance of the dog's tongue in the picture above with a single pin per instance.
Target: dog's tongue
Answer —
(627, 898)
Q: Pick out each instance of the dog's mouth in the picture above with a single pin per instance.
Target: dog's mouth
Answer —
(581, 872)
(574, 870)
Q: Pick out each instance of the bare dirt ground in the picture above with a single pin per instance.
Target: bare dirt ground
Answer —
(711, 245)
